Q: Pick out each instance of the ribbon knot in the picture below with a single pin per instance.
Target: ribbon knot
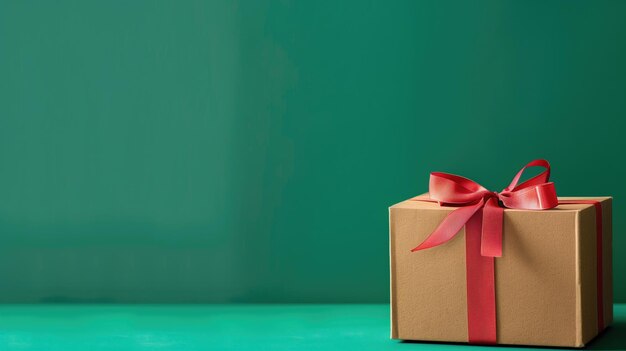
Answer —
(447, 189)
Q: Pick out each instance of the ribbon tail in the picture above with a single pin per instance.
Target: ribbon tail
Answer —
(450, 226)
(491, 241)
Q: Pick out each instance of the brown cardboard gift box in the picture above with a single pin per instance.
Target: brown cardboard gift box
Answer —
(545, 281)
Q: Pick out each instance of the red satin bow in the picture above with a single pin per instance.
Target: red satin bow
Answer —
(447, 189)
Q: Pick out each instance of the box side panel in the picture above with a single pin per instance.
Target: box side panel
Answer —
(536, 279)
(392, 275)
(429, 287)
(607, 261)
(587, 264)
(588, 268)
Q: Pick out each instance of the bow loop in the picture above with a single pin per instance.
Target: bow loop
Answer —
(453, 189)
(540, 178)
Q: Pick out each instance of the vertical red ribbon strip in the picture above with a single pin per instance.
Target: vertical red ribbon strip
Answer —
(481, 289)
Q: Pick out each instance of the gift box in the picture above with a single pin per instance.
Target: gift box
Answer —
(521, 266)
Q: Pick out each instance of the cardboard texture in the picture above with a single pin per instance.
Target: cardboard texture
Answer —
(545, 279)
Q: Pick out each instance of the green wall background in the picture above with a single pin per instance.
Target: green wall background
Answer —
(217, 151)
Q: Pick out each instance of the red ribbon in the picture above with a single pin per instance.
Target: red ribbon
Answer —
(481, 212)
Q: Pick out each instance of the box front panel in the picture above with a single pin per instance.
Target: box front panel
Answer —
(535, 279)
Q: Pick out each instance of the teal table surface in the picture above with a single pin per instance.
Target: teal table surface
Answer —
(223, 327)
